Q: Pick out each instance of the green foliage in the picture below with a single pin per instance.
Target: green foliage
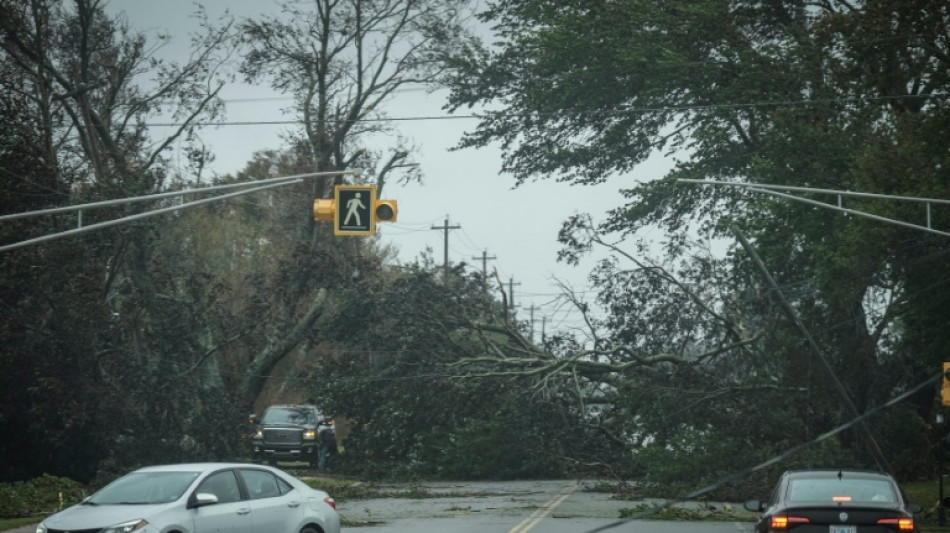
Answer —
(774, 93)
(94, 353)
(43, 495)
(906, 441)
(412, 413)
(695, 459)
(702, 512)
(342, 490)
(149, 343)
(516, 440)
(7, 524)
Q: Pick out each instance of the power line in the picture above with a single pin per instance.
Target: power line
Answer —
(727, 479)
(572, 112)
(816, 351)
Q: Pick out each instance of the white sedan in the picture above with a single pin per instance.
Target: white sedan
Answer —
(200, 497)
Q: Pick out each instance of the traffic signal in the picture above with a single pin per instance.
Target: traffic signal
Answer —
(354, 210)
(945, 388)
(386, 210)
(323, 209)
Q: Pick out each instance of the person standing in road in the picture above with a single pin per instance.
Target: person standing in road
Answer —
(326, 440)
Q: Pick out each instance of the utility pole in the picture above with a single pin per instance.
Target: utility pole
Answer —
(445, 262)
(485, 258)
(511, 292)
(532, 310)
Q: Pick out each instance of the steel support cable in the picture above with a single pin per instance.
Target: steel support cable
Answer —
(122, 201)
(856, 420)
(267, 184)
(131, 218)
(825, 365)
(771, 190)
(774, 460)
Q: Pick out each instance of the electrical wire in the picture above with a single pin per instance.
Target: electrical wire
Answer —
(725, 480)
(565, 113)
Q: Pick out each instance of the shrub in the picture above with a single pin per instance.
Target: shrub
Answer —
(42, 495)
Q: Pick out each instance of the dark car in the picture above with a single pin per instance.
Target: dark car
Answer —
(835, 501)
(287, 433)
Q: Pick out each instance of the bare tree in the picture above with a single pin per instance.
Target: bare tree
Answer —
(342, 61)
(666, 329)
(95, 84)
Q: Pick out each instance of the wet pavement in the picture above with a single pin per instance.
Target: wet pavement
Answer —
(447, 500)
(509, 506)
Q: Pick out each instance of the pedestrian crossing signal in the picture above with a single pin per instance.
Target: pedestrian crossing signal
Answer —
(354, 210)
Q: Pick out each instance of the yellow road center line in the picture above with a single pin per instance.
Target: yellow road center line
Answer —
(528, 523)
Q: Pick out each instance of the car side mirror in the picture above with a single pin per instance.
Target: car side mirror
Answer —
(754, 505)
(202, 499)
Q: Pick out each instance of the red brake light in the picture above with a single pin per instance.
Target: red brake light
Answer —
(784, 522)
(903, 524)
(330, 501)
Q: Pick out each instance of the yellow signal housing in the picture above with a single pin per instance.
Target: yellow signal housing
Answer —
(324, 209)
(386, 210)
(945, 389)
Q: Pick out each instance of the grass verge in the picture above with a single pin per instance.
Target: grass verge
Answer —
(7, 524)
(927, 494)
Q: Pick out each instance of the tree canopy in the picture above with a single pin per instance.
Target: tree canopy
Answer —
(830, 95)
(152, 341)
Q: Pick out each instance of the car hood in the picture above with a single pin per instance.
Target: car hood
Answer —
(100, 516)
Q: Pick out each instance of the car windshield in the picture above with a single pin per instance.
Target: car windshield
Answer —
(290, 415)
(841, 491)
(140, 488)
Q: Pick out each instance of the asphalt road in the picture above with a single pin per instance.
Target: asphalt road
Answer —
(511, 507)
(488, 525)
(517, 507)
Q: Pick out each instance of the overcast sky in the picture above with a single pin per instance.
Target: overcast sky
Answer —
(518, 227)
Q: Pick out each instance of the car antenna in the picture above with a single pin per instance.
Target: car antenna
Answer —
(840, 475)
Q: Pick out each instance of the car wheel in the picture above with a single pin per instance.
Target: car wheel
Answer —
(309, 529)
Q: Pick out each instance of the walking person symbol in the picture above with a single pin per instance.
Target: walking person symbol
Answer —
(353, 206)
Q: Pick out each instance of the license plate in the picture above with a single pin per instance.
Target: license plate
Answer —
(844, 529)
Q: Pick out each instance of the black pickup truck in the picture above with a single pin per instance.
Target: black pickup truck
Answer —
(286, 433)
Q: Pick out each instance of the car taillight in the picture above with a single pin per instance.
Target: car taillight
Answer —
(902, 524)
(330, 501)
(780, 522)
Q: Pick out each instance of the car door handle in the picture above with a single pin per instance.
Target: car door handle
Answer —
(244, 510)
(293, 504)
